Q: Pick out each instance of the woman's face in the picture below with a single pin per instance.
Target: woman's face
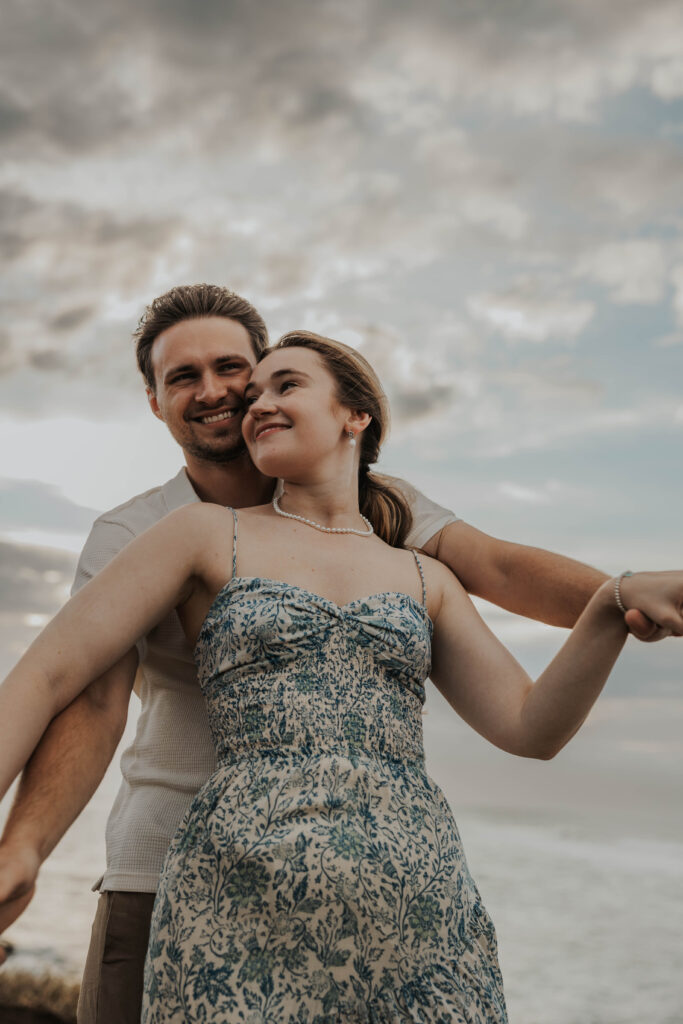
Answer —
(293, 422)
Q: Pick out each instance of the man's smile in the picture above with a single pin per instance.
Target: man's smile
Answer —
(216, 417)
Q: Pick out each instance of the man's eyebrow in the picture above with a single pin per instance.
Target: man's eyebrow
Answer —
(185, 367)
(182, 368)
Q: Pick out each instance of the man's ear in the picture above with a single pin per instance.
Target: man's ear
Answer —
(153, 404)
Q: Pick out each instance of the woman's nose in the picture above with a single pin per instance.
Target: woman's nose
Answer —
(262, 405)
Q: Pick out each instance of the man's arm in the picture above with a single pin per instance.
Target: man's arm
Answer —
(57, 783)
(525, 580)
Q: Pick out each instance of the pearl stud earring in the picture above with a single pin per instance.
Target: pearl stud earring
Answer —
(352, 439)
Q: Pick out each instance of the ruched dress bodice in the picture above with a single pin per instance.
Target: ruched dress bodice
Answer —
(318, 877)
(299, 671)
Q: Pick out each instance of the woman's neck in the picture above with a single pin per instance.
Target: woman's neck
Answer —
(328, 503)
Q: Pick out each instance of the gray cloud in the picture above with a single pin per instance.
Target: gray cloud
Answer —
(7, 358)
(64, 265)
(27, 504)
(416, 387)
(677, 281)
(533, 310)
(13, 117)
(34, 583)
(342, 166)
(15, 207)
(48, 360)
(33, 580)
(71, 318)
(234, 74)
(635, 270)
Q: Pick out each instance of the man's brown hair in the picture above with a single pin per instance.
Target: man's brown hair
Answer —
(194, 302)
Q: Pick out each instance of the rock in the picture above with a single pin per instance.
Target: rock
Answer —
(27, 998)
(20, 1015)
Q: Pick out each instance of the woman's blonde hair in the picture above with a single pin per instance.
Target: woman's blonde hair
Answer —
(359, 389)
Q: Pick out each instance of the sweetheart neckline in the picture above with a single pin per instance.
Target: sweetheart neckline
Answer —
(312, 593)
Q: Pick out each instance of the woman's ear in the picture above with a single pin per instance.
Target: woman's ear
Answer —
(357, 421)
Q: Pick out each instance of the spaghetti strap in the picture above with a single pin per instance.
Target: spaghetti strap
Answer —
(422, 577)
(234, 543)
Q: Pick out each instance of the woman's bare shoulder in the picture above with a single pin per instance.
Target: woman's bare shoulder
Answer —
(205, 517)
(199, 514)
(434, 570)
(440, 581)
(193, 526)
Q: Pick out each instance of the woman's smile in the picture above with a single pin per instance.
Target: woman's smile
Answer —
(269, 428)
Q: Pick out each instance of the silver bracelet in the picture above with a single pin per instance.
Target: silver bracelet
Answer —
(617, 590)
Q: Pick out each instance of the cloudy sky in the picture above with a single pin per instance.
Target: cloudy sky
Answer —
(486, 198)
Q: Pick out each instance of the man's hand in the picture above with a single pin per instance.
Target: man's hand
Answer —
(644, 629)
(655, 598)
(63, 773)
(19, 866)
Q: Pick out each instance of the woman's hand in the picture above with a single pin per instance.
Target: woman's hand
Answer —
(659, 596)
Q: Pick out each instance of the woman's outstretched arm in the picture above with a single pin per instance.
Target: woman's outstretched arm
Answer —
(59, 779)
(152, 575)
(493, 693)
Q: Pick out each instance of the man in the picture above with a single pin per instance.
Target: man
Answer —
(196, 347)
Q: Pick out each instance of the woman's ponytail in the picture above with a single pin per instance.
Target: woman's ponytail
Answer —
(385, 506)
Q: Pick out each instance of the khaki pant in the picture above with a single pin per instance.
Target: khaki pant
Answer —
(111, 990)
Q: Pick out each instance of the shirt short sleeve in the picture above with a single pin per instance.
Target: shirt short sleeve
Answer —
(104, 542)
(428, 517)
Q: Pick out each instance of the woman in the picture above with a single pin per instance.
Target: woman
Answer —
(318, 875)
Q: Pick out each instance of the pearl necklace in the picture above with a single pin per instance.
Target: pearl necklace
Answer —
(319, 526)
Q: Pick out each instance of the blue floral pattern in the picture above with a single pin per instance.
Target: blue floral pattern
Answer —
(318, 876)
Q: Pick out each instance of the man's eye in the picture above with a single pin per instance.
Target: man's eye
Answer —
(229, 367)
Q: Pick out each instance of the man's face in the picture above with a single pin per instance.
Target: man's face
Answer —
(201, 368)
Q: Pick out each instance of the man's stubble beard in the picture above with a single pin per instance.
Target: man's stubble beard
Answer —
(222, 448)
(214, 455)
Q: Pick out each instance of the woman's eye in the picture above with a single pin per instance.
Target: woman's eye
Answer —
(287, 384)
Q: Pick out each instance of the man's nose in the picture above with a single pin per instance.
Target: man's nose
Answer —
(212, 388)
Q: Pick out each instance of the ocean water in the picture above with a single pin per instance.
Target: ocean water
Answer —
(579, 861)
(590, 930)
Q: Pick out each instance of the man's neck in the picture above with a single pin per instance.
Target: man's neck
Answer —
(237, 483)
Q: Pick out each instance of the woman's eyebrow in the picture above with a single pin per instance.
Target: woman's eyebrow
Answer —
(276, 376)
(289, 373)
